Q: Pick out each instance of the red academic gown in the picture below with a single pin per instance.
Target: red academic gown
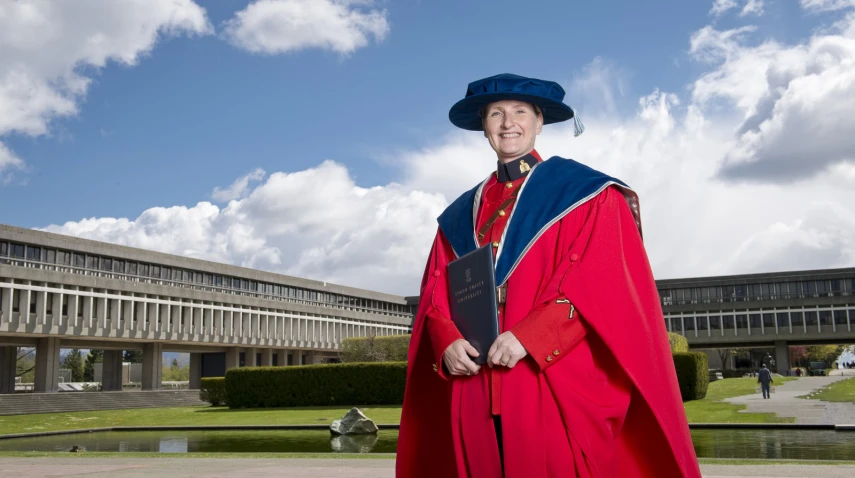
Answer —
(596, 396)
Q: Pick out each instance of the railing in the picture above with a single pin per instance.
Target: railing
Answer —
(193, 285)
(753, 297)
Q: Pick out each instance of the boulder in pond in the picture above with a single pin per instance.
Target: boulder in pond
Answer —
(354, 423)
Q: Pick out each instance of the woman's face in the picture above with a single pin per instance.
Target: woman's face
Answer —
(511, 127)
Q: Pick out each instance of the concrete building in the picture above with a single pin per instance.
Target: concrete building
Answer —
(762, 310)
(64, 292)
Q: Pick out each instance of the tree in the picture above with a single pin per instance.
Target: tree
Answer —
(798, 355)
(74, 362)
(133, 356)
(95, 356)
(823, 353)
(25, 364)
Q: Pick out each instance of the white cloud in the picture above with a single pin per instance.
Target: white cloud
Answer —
(697, 222)
(49, 49)
(239, 188)
(721, 6)
(826, 5)
(281, 26)
(9, 163)
(752, 7)
(796, 100)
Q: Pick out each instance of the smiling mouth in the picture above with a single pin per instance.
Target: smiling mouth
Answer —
(510, 135)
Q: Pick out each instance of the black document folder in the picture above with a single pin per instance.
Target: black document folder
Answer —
(474, 309)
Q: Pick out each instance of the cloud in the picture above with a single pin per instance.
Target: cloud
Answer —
(600, 86)
(314, 223)
(796, 101)
(826, 5)
(50, 49)
(675, 149)
(282, 26)
(751, 7)
(239, 188)
(721, 6)
(9, 163)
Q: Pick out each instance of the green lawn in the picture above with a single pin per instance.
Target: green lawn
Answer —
(187, 416)
(712, 410)
(708, 410)
(842, 391)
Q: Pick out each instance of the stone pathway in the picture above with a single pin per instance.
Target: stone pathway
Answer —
(785, 404)
(314, 468)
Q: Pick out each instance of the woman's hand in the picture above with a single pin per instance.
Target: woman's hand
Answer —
(456, 358)
(506, 350)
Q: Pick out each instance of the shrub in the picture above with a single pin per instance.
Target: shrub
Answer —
(344, 384)
(679, 344)
(213, 390)
(392, 348)
(692, 374)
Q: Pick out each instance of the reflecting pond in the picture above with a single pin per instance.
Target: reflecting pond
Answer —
(776, 444)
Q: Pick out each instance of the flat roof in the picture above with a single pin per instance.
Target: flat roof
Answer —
(89, 246)
(762, 277)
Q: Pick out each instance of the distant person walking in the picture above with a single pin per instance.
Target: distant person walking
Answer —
(764, 378)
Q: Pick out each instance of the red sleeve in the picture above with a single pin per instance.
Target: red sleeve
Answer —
(550, 331)
(438, 325)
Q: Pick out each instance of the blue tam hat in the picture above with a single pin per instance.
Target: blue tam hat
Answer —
(547, 95)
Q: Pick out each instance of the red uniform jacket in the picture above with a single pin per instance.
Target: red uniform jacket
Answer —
(597, 395)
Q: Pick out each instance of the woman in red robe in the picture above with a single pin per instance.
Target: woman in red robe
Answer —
(580, 382)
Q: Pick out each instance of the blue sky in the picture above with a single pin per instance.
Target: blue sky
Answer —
(194, 111)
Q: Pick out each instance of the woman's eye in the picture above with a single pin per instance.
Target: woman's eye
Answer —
(495, 113)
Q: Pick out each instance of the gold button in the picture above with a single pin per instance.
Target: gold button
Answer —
(549, 358)
(502, 213)
(495, 244)
(509, 185)
(435, 368)
(555, 352)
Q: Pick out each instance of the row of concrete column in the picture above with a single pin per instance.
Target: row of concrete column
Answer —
(47, 365)
(269, 358)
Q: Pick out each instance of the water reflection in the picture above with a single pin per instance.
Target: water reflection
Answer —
(774, 444)
(353, 443)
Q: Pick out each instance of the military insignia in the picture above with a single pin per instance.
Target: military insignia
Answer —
(524, 167)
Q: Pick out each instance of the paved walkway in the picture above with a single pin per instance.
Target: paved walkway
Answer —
(312, 468)
(785, 404)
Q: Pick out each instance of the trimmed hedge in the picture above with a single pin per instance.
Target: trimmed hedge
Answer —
(678, 343)
(344, 384)
(692, 374)
(391, 348)
(213, 390)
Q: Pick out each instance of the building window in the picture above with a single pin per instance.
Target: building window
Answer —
(144, 270)
(218, 280)
(165, 273)
(741, 321)
(34, 253)
(810, 318)
(797, 319)
(840, 317)
(17, 251)
(78, 260)
(754, 321)
(783, 320)
(91, 262)
(63, 258)
(4, 249)
(728, 322)
(825, 317)
(132, 268)
(702, 322)
(118, 266)
(106, 264)
(50, 256)
(769, 321)
(155, 271)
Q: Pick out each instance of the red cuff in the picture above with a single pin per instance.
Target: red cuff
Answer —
(550, 331)
(442, 333)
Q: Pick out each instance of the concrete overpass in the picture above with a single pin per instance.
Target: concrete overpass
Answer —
(64, 292)
(759, 310)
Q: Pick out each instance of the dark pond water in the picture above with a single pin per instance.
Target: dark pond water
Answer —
(776, 444)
